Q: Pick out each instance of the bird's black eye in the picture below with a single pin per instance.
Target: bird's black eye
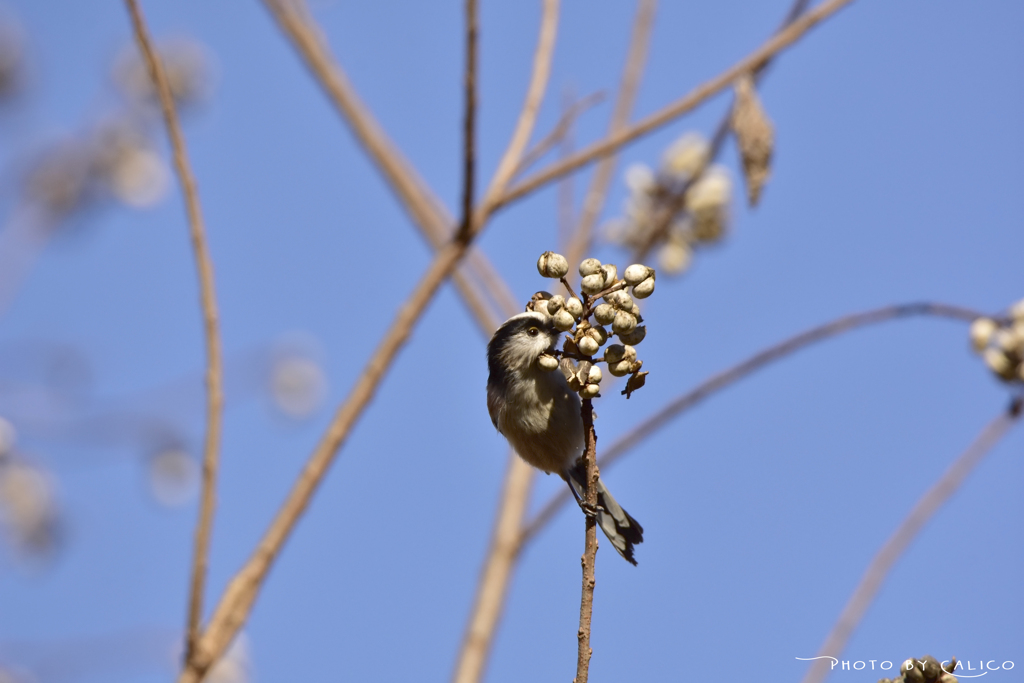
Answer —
(533, 332)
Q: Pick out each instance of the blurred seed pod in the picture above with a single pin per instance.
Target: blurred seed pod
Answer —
(685, 157)
(12, 59)
(235, 666)
(298, 385)
(7, 438)
(998, 363)
(59, 182)
(186, 63)
(675, 257)
(708, 202)
(931, 668)
(590, 266)
(28, 508)
(173, 475)
(604, 314)
(640, 179)
(552, 265)
(130, 166)
(594, 376)
(589, 391)
(754, 136)
(982, 330)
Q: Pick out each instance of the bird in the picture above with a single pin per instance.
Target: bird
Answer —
(539, 415)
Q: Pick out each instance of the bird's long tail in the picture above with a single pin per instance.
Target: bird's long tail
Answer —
(620, 528)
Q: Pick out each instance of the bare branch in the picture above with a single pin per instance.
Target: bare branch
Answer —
(727, 377)
(594, 200)
(589, 559)
(469, 119)
(897, 544)
(208, 301)
(528, 116)
(569, 116)
(609, 145)
(494, 579)
(426, 210)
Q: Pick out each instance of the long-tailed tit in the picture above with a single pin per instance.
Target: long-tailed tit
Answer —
(540, 416)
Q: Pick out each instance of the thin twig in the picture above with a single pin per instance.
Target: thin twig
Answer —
(542, 58)
(610, 144)
(424, 207)
(492, 588)
(866, 590)
(208, 300)
(240, 595)
(570, 113)
(715, 383)
(594, 199)
(469, 119)
(589, 559)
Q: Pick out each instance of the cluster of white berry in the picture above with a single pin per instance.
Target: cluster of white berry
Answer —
(925, 670)
(604, 302)
(1001, 343)
(684, 196)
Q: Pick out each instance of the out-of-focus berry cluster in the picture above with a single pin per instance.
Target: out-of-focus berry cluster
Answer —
(1000, 342)
(118, 157)
(605, 303)
(924, 670)
(28, 509)
(678, 208)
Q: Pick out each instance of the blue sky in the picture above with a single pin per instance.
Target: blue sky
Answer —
(896, 178)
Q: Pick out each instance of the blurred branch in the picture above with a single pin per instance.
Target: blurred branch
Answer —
(528, 116)
(561, 129)
(492, 587)
(214, 369)
(678, 202)
(609, 145)
(469, 118)
(425, 209)
(923, 511)
(595, 198)
(236, 603)
(589, 559)
(716, 383)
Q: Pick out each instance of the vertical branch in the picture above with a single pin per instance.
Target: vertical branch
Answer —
(513, 156)
(214, 369)
(469, 118)
(923, 511)
(594, 200)
(493, 587)
(589, 558)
